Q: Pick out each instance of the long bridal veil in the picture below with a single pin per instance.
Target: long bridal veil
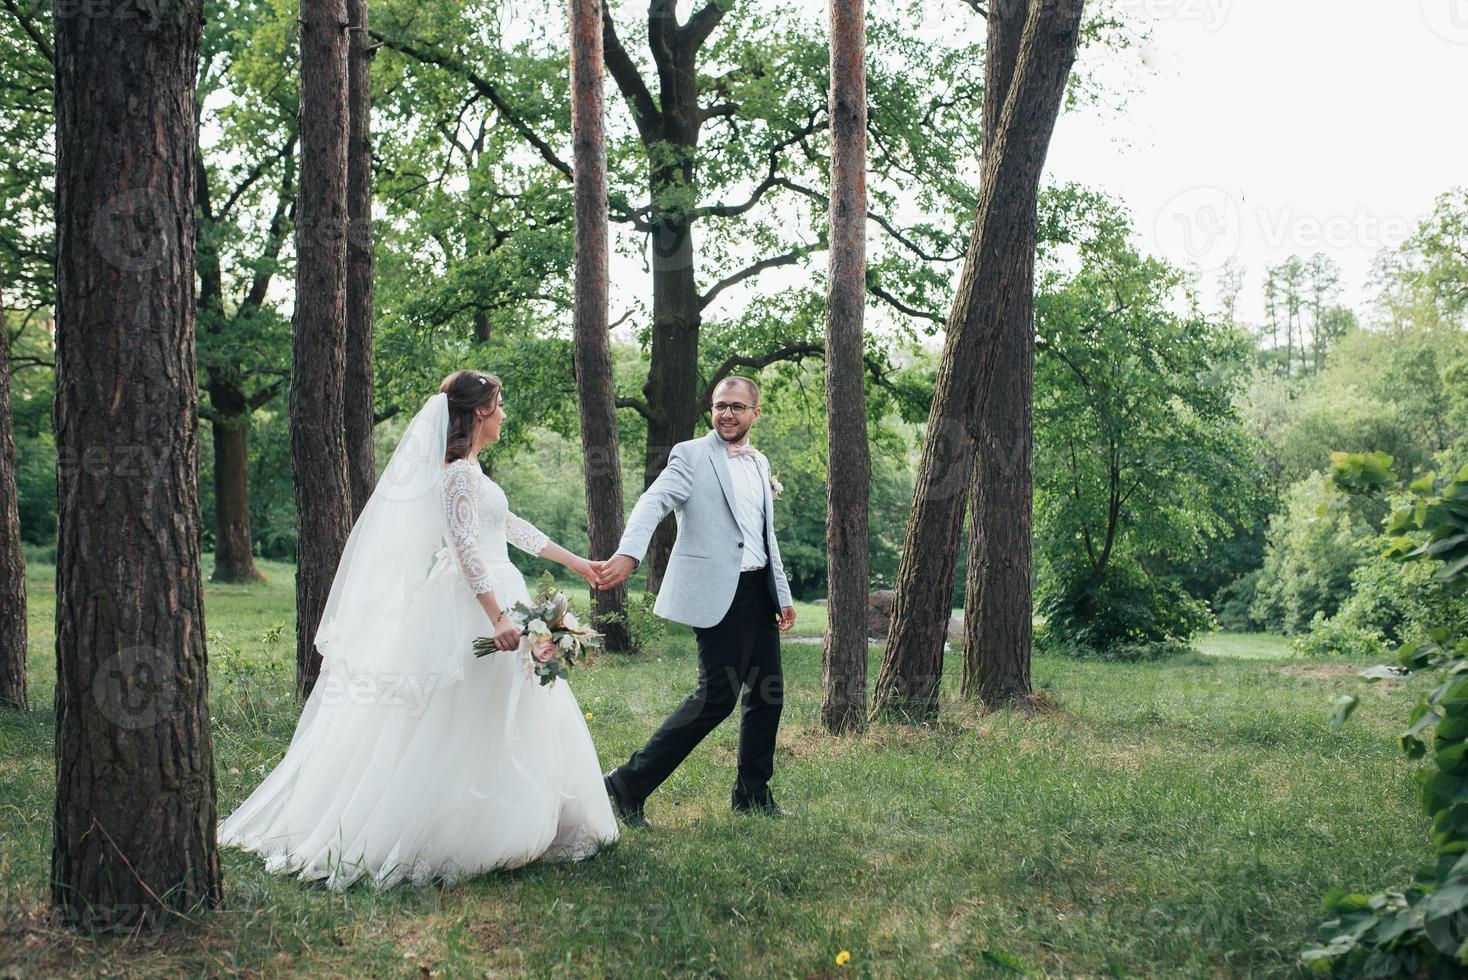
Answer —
(388, 619)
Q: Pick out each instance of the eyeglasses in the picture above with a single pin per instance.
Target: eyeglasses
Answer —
(733, 408)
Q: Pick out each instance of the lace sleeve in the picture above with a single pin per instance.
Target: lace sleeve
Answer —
(463, 515)
(524, 535)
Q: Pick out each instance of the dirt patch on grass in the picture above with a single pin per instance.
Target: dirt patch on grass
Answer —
(1322, 672)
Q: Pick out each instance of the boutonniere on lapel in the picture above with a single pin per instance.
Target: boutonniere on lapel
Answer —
(776, 487)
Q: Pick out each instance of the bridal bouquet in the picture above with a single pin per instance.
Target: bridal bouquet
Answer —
(557, 638)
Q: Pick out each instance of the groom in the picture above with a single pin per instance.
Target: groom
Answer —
(724, 579)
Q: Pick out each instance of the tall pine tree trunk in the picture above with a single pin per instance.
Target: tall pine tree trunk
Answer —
(999, 609)
(318, 443)
(358, 420)
(12, 557)
(843, 700)
(600, 450)
(999, 265)
(135, 796)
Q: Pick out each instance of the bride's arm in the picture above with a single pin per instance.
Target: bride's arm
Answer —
(527, 537)
(463, 521)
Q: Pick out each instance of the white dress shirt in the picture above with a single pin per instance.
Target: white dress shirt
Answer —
(749, 499)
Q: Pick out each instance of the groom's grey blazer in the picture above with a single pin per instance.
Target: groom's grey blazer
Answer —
(703, 571)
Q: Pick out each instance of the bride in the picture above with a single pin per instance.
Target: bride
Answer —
(413, 758)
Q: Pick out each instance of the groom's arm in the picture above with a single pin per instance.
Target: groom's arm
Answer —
(673, 486)
(782, 587)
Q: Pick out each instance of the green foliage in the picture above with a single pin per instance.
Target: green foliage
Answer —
(1389, 604)
(1417, 930)
(1313, 545)
(1129, 615)
(1141, 460)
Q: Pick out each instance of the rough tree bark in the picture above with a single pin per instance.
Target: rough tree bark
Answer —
(844, 694)
(135, 795)
(601, 454)
(999, 609)
(12, 556)
(318, 443)
(358, 422)
(999, 265)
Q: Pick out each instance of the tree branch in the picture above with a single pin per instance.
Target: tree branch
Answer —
(771, 180)
(37, 37)
(256, 172)
(899, 305)
(639, 405)
(486, 88)
(629, 81)
(787, 258)
(792, 352)
(264, 396)
(885, 224)
(702, 24)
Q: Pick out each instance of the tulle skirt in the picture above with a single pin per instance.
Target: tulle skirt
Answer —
(396, 777)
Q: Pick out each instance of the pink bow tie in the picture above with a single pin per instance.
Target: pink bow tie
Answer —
(744, 450)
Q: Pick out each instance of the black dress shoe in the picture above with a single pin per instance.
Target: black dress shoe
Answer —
(763, 808)
(628, 809)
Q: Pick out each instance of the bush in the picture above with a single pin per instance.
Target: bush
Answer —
(1128, 652)
(1390, 604)
(1233, 604)
(1128, 611)
(1335, 637)
(1314, 545)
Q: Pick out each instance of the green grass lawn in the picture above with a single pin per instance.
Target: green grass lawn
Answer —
(1173, 819)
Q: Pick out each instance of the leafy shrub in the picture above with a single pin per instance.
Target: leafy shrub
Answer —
(1313, 546)
(1115, 618)
(1390, 604)
(1338, 637)
(1233, 604)
(1129, 651)
(1416, 930)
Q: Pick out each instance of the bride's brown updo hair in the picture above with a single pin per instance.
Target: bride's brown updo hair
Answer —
(467, 391)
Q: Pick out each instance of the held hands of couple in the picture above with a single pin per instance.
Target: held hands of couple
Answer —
(613, 572)
(587, 569)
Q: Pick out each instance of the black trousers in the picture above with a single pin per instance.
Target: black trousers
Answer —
(742, 651)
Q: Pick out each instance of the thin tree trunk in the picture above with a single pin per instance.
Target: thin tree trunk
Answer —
(318, 444)
(601, 454)
(234, 558)
(358, 424)
(12, 556)
(999, 609)
(135, 810)
(844, 694)
(999, 263)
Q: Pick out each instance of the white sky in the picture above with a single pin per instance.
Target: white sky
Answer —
(1262, 128)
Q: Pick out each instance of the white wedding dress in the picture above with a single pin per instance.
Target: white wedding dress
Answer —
(443, 775)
